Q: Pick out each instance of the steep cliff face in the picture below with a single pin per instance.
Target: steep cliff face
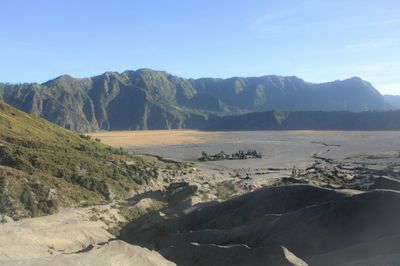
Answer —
(147, 99)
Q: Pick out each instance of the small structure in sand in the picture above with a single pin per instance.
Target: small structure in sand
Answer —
(240, 155)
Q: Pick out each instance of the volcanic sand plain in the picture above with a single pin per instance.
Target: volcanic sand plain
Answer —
(279, 148)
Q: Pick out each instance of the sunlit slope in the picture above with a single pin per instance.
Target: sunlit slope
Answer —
(43, 166)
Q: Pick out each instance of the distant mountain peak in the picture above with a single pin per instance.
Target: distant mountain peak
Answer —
(61, 79)
(111, 73)
(356, 78)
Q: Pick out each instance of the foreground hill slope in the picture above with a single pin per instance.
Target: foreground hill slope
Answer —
(70, 237)
(43, 166)
(317, 226)
(148, 99)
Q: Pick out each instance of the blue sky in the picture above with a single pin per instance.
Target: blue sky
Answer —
(317, 40)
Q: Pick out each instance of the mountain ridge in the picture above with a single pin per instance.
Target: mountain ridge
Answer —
(149, 99)
(307, 120)
(393, 100)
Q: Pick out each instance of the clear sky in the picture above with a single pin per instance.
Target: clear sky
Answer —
(317, 40)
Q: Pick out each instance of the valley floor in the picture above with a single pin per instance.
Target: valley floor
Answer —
(281, 150)
(341, 165)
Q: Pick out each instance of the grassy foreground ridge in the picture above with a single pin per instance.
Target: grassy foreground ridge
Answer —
(44, 166)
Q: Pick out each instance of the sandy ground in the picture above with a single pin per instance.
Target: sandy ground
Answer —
(280, 149)
(152, 137)
(59, 239)
(116, 253)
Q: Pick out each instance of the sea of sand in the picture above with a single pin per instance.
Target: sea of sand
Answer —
(280, 149)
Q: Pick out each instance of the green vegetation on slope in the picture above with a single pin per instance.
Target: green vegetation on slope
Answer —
(148, 99)
(43, 166)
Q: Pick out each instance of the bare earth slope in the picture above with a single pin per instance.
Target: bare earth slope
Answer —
(69, 237)
(319, 226)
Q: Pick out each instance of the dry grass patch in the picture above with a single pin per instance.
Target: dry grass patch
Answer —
(153, 137)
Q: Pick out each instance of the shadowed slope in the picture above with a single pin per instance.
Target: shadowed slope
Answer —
(320, 226)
